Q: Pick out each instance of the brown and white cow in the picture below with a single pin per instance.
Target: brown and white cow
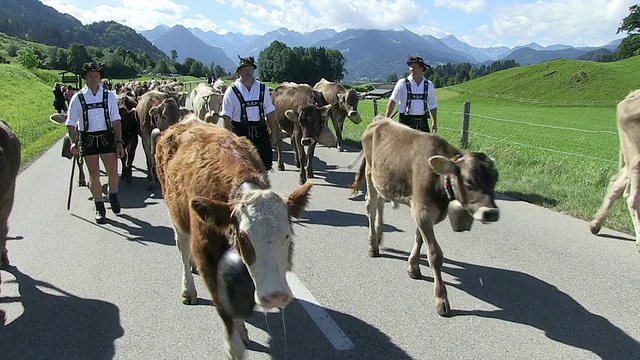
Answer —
(427, 173)
(9, 167)
(344, 103)
(155, 110)
(628, 177)
(218, 194)
(130, 130)
(298, 114)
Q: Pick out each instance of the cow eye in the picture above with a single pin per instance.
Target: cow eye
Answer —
(469, 183)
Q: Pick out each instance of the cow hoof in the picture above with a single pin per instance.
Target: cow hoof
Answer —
(280, 167)
(311, 176)
(443, 308)
(82, 183)
(302, 181)
(189, 299)
(340, 149)
(595, 228)
(415, 274)
(374, 253)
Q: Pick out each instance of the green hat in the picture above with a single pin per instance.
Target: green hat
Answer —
(92, 66)
(246, 62)
(417, 60)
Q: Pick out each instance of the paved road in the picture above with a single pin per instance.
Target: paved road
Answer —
(535, 285)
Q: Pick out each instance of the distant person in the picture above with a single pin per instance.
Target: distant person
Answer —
(59, 102)
(69, 93)
(416, 98)
(94, 111)
(245, 106)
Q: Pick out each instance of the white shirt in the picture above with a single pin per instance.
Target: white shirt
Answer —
(231, 103)
(399, 96)
(96, 116)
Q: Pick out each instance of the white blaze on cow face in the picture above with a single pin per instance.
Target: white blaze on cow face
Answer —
(262, 215)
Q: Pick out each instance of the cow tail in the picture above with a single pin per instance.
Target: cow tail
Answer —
(356, 182)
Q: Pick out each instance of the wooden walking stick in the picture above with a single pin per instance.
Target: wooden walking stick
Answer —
(73, 169)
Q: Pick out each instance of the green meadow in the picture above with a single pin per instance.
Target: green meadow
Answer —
(551, 127)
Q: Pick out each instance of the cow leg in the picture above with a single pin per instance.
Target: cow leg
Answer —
(127, 161)
(434, 253)
(616, 187)
(632, 199)
(5, 210)
(309, 167)
(372, 206)
(300, 162)
(236, 337)
(146, 145)
(278, 146)
(189, 294)
(337, 126)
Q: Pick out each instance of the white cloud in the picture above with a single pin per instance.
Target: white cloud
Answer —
(468, 6)
(304, 16)
(574, 22)
(140, 15)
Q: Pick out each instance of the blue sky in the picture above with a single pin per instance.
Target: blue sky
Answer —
(480, 23)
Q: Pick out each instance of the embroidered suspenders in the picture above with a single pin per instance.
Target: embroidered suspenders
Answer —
(86, 107)
(411, 97)
(244, 104)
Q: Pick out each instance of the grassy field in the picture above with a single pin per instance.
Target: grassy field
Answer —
(551, 127)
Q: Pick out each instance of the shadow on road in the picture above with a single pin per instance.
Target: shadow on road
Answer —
(524, 299)
(300, 338)
(340, 219)
(58, 325)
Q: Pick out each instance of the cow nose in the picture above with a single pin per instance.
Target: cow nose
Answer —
(491, 215)
(277, 299)
(307, 141)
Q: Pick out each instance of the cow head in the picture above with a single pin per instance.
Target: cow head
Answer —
(349, 102)
(165, 114)
(262, 232)
(310, 119)
(469, 180)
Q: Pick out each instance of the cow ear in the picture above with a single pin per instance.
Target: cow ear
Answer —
(212, 212)
(325, 110)
(291, 115)
(441, 165)
(298, 200)
(154, 111)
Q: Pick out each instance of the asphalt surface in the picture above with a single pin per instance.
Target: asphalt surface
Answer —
(535, 285)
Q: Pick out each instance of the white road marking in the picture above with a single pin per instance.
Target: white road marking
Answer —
(325, 323)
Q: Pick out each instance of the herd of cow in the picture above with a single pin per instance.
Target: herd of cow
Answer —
(219, 197)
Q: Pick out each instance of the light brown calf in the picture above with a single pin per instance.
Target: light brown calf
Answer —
(628, 177)
(431, 176)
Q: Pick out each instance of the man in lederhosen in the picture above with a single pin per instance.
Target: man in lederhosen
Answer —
(245, 106)
(94, 126)
(416, 98)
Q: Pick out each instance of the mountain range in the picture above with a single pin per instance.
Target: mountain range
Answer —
(371, 55)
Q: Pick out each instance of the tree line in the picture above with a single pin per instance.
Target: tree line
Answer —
(119, 62)
(280, 63)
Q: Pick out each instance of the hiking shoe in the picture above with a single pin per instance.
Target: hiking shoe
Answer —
(115, 203)
(101, 212)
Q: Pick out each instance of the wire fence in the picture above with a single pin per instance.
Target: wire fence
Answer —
(537, 101)
(469, 133)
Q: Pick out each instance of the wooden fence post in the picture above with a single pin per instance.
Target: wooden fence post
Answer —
(464, 134)
(375, 107)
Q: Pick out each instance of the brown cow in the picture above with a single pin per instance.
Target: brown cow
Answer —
(130, 130)
(218, 194)
(303, 120)
(9, 166)
(344, 103)
(423, 171)
(155, 110)
(628, 177)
